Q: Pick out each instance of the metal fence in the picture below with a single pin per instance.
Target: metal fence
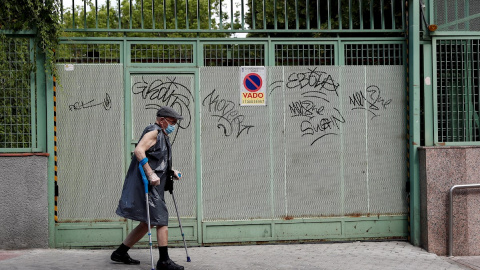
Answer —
(268, 16)
(457, 15)
(458, 87)
(17, 98)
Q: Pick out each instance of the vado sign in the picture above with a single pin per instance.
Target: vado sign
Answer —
(252, 86)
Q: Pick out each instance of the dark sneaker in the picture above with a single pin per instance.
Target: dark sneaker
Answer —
(123, 258)
(168, 265)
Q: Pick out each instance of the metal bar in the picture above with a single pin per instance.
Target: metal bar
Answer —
(350, 24)
(130, 7)
(85, 14)
(297, 16)
(339, 15)
(73, 14)
(275, 21)
(307, 14)
(119, 15)
(108, 14)
(360, 13)
(33, 123)
(392, 3)
(165, 14)
(220, 19)
(372, 20)
(231, 13)
(175, 13)
(329, 15)
(61, 11)
(414, 121)
(254, 13)
(141, 14)
(187, 21)
(264, 14)
(450, 213)
(198, 14)
(153, 14)
(243, 13)
(318, 15)
(285, 10)
(382, 14)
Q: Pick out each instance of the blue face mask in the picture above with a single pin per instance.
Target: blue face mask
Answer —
(170, 129)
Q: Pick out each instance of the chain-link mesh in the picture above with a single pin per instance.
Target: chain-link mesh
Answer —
(16, 95)
(90, 142)
(458, 15)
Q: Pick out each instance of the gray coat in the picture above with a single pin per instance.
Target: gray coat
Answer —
(132, 202)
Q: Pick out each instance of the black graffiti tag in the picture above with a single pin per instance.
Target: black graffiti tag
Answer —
(229, 118)
(321, 81)
(323, 125)
(372, 102)
(168, 92)
(107, 104)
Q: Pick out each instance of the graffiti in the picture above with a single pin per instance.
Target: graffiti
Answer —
(305, 108)
(318, 80)
(318, 90)
(322, 127)
(373, 102)
(107, 104)
(317, 114)
(230, 121)
(166, 91)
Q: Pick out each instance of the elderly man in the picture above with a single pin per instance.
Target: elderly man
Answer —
(155, 145)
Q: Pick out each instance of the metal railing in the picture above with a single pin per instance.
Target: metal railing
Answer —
(260, 16)
(450, 214)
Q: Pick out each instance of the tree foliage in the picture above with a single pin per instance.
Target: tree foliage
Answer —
(16, 65)
(321, 15)
(143, 20)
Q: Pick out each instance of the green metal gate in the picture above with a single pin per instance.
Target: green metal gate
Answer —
(265, 173)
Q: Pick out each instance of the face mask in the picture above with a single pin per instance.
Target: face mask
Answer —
(170, 129)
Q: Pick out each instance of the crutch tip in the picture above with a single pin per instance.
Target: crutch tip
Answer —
(188, 259)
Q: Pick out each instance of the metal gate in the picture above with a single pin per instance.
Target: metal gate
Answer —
(324, 159)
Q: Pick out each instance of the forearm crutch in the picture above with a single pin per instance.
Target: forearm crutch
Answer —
(145, 184)
(178, 217)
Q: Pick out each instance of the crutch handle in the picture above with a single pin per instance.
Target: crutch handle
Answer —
(142, 172)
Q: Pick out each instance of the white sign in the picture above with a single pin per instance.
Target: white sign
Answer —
(253, 86)
(69, 67)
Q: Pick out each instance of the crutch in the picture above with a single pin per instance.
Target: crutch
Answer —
(178, 217)
(145, 184)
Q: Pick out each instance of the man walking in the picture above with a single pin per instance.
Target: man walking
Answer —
(154, 144)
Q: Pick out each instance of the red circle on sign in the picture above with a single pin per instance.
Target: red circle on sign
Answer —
(252, 82)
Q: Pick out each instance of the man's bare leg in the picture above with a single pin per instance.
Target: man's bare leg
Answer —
(121, 255)
(164, 263)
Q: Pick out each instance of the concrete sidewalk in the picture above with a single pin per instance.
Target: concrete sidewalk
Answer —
(354, 255)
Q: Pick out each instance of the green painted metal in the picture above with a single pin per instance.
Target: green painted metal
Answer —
(429, 97)
(414, 121)
(332, 229)
(50, 145)
(332, 19)
(456, 119)
(24, 130)
(68, 234)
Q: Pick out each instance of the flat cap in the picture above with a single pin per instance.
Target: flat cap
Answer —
(168, 112)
